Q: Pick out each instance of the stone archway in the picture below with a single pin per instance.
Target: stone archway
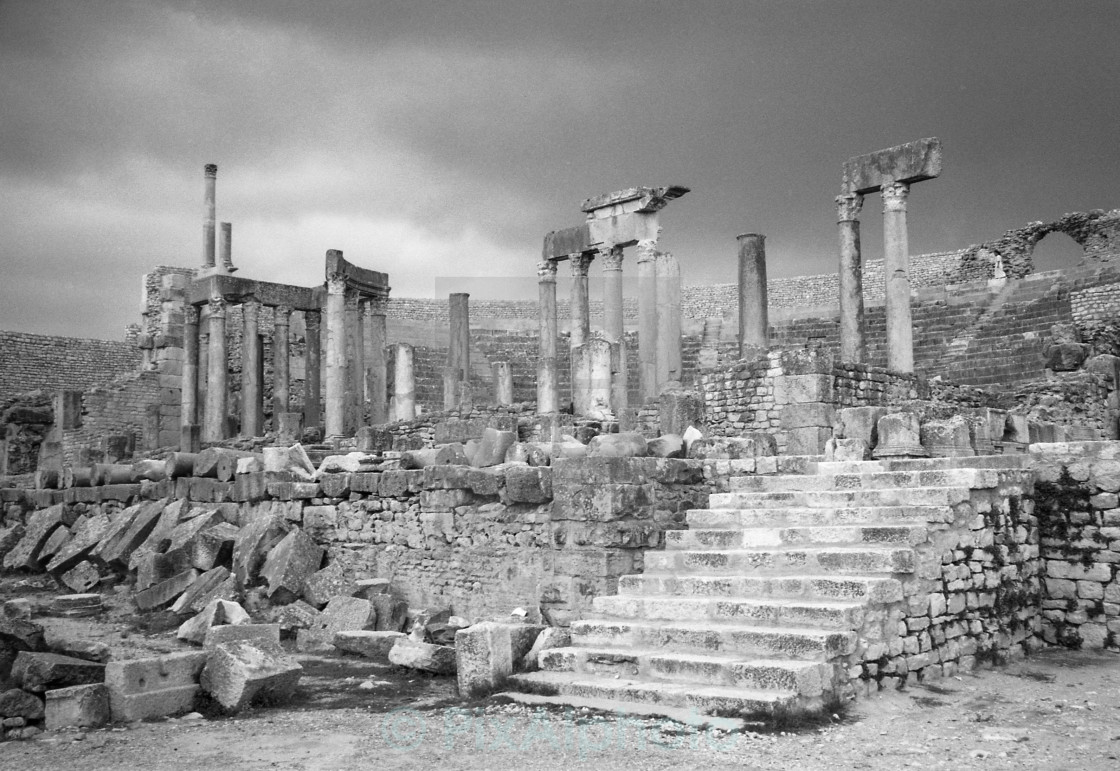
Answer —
(1056, 251)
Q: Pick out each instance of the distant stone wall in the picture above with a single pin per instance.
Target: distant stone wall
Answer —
(130, 405)
(50, 363)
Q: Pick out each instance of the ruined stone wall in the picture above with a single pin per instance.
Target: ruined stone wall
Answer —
(130, 405)
(51, 363)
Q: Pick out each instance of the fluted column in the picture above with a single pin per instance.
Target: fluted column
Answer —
(579, 304)
(547, 388)
(210, 177)
(852, 346)
(754, 314)
(335, 400)
(188, 417)
(647, 317)
(896, 266)
(281, 377)
(250, 369)
(217, 390)
(376, 371)
(312, 377)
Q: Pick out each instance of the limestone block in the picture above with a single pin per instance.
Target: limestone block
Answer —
(259, 635)
(324, 584)
(437, 659)
(141, 689)
(295, 616)
(238, 673)
(483, 658)
(216, 613)
(1065, 357)
(492, 449)
(528, 484)
(290, 563)
(795, 389)
(846, 450)
(255, 540)
(9, 537)
(152, 568)
(20, 703)
(18, 609)
(899, 437)
(623, 445)
(213, 546)
(447, 477)
(83, 577)
(666, 446)
(38, 672)
(679, 409)
(367, 588)
(549, 637)
(342, 614)
(165, 592)
(807, 441)
(947, 438)
(753, 444)
(374, 439)
(40, 526)
(186, 531)
(367, 643)
(158, 534)
(604, 502)
(291, 459)
(808, 415)
(335, 485)
(84, 706)
(392, 614)
(860, 423)
(116, 549)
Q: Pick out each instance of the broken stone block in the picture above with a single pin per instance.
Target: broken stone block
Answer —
(259, 635)
(860, 423)
(213, 546)
(9, 537)
(443, 632)
(216, 613)
(666, 446)
(83, 540)
(255, 540)
(483, 658)
(216, 584)
(77, 605)
(153, 567)
(54, 543)
(625, 445)
(84, 706)
(1065, 357)
(678, 409)
(19, 609)
(342, 614)
(88, 650)
(810, 440)
(366, 588)
(437, 659)
(295, 616)
(550, 637)
(290, 563)
(370, 644)
(324, 584)
(188, 529)
(752, 444)
(82, 578)
(17, 702)
(38, 672)
(39, 527)
(392, 614)
(160, 534)
(528, 484)
(116, 549)
(165, 592)
(290, 459)
(947, 438)
(899, 437)
(493, 447)
(238, 673)
(846, 450)
(141, 689)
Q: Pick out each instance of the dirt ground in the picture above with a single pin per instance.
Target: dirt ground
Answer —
(1056, 710)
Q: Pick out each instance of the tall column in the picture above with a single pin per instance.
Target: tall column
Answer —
(852, 347)
(647, 317)
(250, 369)
(404, 383)
(668, 320)
(226, 251)
(376, 373)
(210, 178)
(336, 356)
(579, 304)
(355, 365)
(189, 405)
(614, 326)
(754, 318)
(217, 390)
(312, 376)
(281, 378)
(459, 343)
(896, 266)
(203, 357)
(547, 388)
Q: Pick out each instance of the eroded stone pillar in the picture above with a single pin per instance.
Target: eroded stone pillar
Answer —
(312, 377)
(376, 373)
(188, 416)
(614, 327)
(591, 379)
(203, 357)
(210, 178)
(579, 304)
(404, 383)
(852, 346)
(335, 400)
(668, 320)
(227, 247)
(355, 365)
(217, 390)
(547, 389)
(459, 342)
(647, 317)
(281, 372)
(754, 316)
(896, 267)
(250, 369)
(503, 382)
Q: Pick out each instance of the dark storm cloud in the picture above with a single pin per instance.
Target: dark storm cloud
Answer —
(443, 139)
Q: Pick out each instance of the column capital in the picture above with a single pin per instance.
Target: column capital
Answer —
(546, 271)
(612, 257)
(336, 283)
(251, 309)
(848, 207)
(190, 315)
(647, 249)
(580, 263)
(313, 319)
(217, 306)
(894, 196)
(282, 314)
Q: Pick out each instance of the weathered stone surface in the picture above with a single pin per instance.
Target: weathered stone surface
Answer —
(290, 459)
(677, 410)
(9, 537)
(19, 608)
(550, 637)
(38, 672)
(623, 445)
(165, 592)
(290, 563)
(483, 658)
(528, 484)
(153, 568)
(17, 702)
(329, 582)
(82, 578)
(216, 613)
(899, 437)
(116, 549)
(370, 644)
(492, 449)
(89, 650)
(437, 659)
(83, 540)
(213, 546)
(947, 438)
(254, 542)
(295, 616)
(1065, 357)
(342, 614)
(239, 673)
(391, 613)
(216, 584)
(366, 588)
(84, 706)
(188, 529)
(55, 542)
(756, 444)
(666, 446)
(40, 526)
(846, 450)
(141, 689)
(908, 163)
(159, 534)
(260, 635)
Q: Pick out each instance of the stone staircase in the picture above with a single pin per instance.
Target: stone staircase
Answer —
(770, 597)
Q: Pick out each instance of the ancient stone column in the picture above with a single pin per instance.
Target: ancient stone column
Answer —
(548, 399)
(614, 325)
(250, 369)
(404, 384)
(226, 252)
(896, 267)
(579, 303)
(459, 343)
(281, 378)
(210, 177)
(188, 417)
(312, 388)
(647, 317)
(376, 373)
(754, 318)
(354, 409)
(668, 320)
(217, 392)
(852, 348)
(503, 382)
(335, 400)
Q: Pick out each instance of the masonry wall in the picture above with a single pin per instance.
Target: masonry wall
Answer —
(50, 363)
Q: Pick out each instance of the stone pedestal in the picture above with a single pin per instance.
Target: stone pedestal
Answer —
(335, 401)
(547, 397)
(896, 267)
(591, 379)
(404, 385)
(250, 370)
(852, 347)
(947, 438)
(899, 437)
(754, 319)
(214, 427)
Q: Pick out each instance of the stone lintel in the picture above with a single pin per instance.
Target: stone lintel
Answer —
(238, 290)
(908, 163)
(558, 244)
(366, 281)
(630, 200)
(624, 229)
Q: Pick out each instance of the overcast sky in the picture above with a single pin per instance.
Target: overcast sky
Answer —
(443, 139)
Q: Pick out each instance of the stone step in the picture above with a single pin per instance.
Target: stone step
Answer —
(868, 589)
(905, 496)
(842, 516)
(820, 614)
(806, 678)
(778, 561)
(707, 637)
(1011, 461)
(760, 537)
(712, 699)
(959, 477)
